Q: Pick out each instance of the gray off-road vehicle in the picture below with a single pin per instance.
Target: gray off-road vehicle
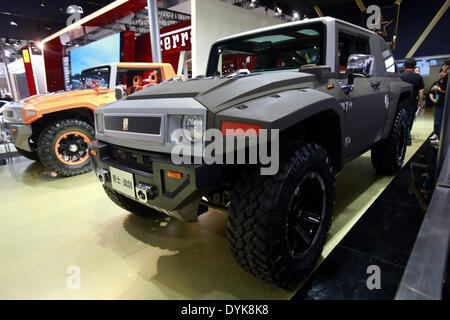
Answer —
(331, 90)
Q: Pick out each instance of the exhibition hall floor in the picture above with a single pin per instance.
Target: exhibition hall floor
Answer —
(49, 224)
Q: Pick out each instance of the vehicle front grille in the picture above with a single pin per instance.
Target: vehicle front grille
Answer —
(145, 125)
(128, 158)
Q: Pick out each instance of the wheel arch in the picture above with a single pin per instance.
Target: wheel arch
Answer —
(80, 113)
(323, 128)
(400, 94)
(306, 114)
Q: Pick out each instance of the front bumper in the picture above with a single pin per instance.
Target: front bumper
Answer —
(17, 134)
(176, 197)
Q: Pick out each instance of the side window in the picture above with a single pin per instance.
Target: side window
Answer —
(389, 62)
(348, 45)
(388, 57)
(134, 80)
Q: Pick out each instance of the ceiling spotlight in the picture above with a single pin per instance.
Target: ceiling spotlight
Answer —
(47, 27)
(42, 4)
(252, 4)
(40, 45)
(13, 22)
(295, 15)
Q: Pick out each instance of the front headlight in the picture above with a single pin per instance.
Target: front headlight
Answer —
(12, 114)
(99, 127)
(193, 127)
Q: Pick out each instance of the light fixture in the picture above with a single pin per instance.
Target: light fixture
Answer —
(13, 22)
(42, 4)
(278, 11)
(40, 45)
(252, 4)
(295, 15)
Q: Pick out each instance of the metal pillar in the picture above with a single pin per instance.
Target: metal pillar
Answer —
(181, 62)
(154, 30)
(9, 77)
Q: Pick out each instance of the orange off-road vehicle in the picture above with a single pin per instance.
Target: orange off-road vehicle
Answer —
(56, 127)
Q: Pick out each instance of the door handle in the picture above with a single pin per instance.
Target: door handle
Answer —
(375, 83)
(347, 88)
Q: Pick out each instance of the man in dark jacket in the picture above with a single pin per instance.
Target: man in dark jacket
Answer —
(416, 100)
(440, 89)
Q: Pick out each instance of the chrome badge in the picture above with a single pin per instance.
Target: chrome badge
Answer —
(386, 102)
(125, 124)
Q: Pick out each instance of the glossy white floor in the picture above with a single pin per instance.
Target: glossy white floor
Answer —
(48, 224)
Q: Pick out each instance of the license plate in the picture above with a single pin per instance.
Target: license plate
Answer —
(123, 182)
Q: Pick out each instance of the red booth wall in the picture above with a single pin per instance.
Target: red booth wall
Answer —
(170, 48)
(53, 53)
(133, 50)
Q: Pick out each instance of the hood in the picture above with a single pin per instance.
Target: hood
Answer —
(219, 93)
(60, 96)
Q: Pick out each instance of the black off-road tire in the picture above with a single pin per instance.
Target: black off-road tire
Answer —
(259, 219)
(48, 139)
(129, 204)
(32, 155)
(388, 155)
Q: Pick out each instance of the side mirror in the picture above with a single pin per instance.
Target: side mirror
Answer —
(360, 65)
(121, 93)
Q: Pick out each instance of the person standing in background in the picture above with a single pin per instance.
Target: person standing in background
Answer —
(416, 100)
(433, 95)
(439, 89)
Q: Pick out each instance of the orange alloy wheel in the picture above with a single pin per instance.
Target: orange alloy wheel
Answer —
(71, 148)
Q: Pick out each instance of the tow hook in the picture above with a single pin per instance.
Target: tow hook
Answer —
(145, 192)
(103, 175)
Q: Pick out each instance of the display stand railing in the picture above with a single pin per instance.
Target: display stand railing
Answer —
(425, 276)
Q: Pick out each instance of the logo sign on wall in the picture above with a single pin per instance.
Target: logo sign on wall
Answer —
(374, 20)
(176, 41)
(66, 71)
(75, 14)
(384, 22)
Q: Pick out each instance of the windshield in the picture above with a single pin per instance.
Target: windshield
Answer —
(286, 48)
(93, 78)
(134, 79)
